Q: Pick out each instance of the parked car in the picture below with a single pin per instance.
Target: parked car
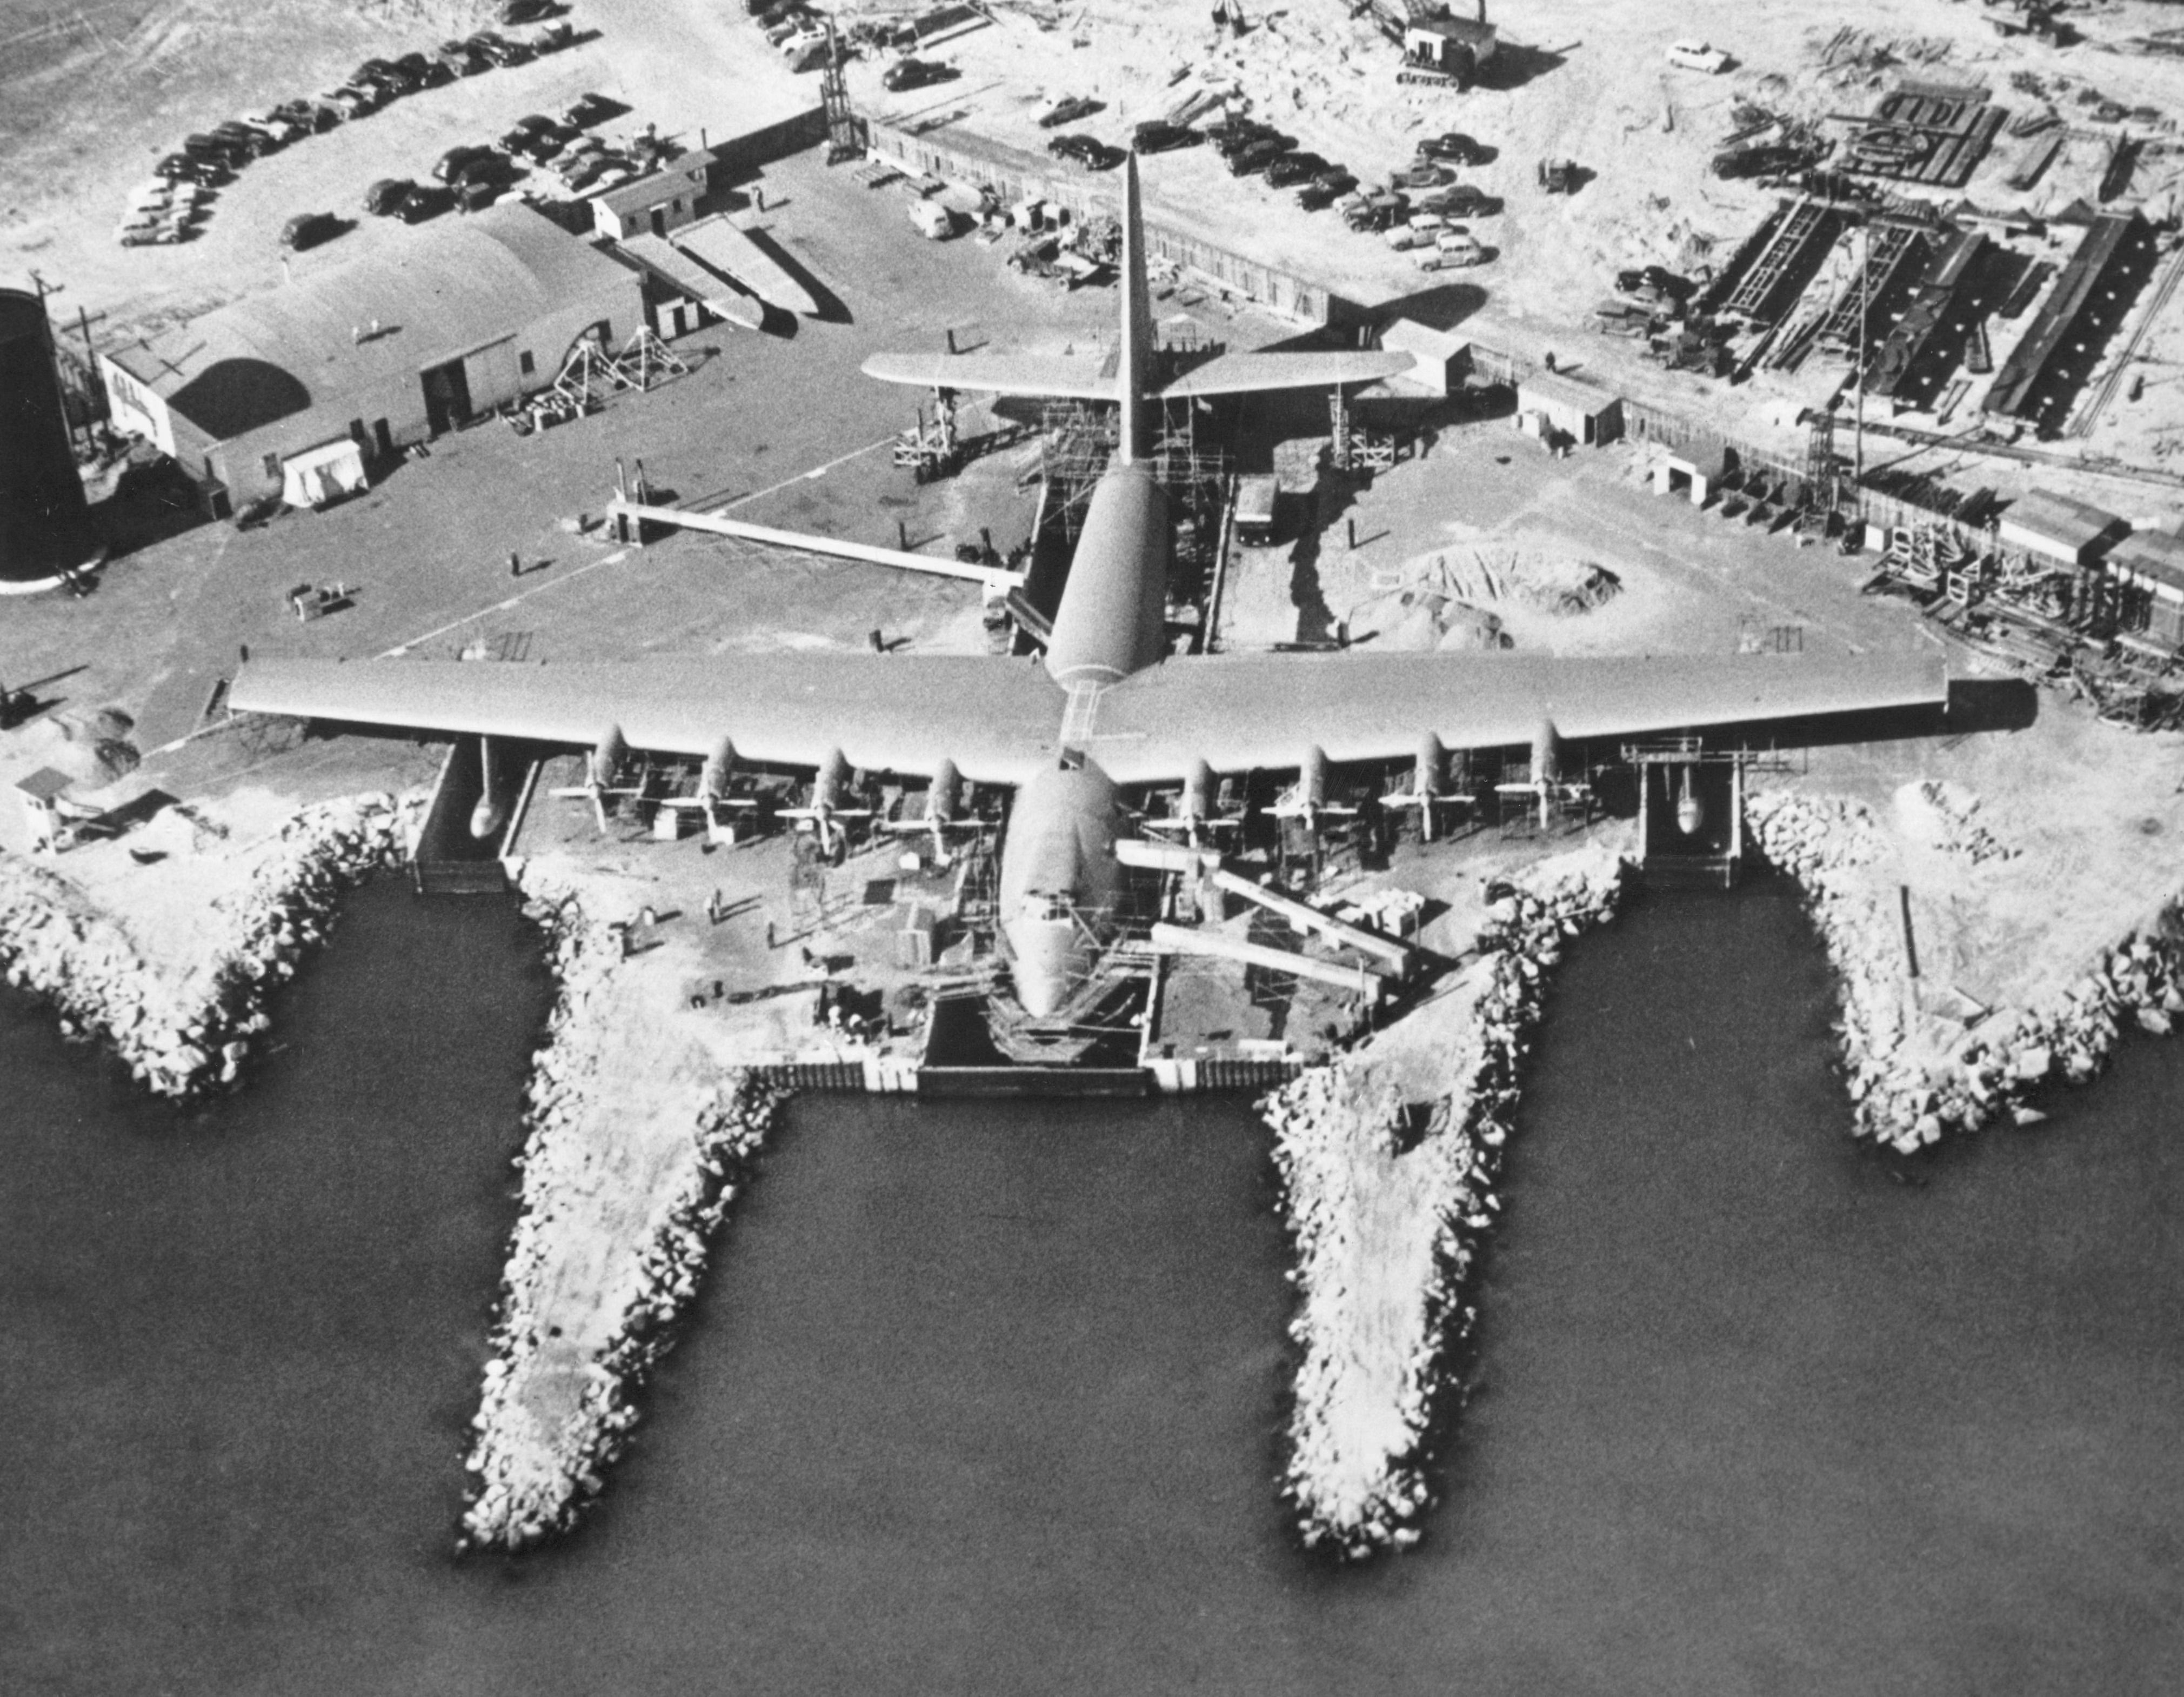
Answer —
(385, 74)
(1325, 189)
(1463, 199)
(915, 73)
(1160, 137)
(1077, 145)
(1294, 168)
(1405, 236)
(1232, 138)
(1454, 250)
(588, 109)
(384, 198)
(445, 167)
(248, 140)
(462, 59)
(524, 11)
(308, 229)
(1453, 146)
(1697, 56)
(1377, 213)
(427, 200)
(182, 168)
(280, 124)
(503, 50)
(553, 38)
(428, 73)
(1256, 156)
(1066, 110)
(472, 197)
(351, 102)
(488, 168)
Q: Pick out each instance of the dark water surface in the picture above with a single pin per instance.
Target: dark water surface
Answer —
(984, 1398)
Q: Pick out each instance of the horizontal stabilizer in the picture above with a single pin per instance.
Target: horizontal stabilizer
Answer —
(1088, 376)
(1231, 374)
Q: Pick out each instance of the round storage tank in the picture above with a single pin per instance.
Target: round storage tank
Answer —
(45, 523)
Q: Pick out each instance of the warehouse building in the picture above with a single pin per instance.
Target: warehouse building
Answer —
(2149, 572)
(296, 391)
(2057, 528)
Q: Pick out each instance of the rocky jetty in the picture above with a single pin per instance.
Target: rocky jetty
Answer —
(1922, 1060)
(1388, 1159)
(636, 1148)
(185, 1029)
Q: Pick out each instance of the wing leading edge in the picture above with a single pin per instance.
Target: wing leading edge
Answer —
(906, 714)
(1242, 712)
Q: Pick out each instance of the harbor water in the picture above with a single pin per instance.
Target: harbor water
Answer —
(986, 1396)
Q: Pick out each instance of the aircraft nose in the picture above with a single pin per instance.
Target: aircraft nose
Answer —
(1044, 966)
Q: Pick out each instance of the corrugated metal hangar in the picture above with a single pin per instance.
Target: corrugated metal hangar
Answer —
(381, 352)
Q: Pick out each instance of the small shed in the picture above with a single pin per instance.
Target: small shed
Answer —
(1457, 46)
(1700, 472)
(41, 795)
(2149, 568)
(1575, 410)
(2059, 528)
(1440, 358)
(665, 200)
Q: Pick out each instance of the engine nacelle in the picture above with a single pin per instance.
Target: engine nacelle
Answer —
(944, 797)
(1546, 753)
(1429, 773)
(831, 783)
(720, 765)
(1199, 790)
(1312, 778)
(608, 755)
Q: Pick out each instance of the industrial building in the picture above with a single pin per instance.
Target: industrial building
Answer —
(1570, 408)
(2148, 569)
(2057, 528)
(660, 201)
(1443, 357)
(347, 366)
(45, 523)
(2059, 350)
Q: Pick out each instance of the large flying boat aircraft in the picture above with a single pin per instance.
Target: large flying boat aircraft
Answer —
(1104, 710)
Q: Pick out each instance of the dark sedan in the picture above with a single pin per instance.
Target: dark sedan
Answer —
(1325, 189)
(1256, 156)
(1454, 147)
(308, 229)
(1294, 168)
(915, 73)
(1159, 137)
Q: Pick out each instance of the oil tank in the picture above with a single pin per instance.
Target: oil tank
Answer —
(45, 523)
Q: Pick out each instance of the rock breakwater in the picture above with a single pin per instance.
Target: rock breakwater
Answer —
(632, 1158)
(1389, 1158)
(1921, 1060)
(184, 1030)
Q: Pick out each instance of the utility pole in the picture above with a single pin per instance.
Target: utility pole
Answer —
(1858, 415)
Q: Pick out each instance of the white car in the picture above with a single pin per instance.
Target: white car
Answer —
(1698, 56)
(1451, 253)
(1402, 236)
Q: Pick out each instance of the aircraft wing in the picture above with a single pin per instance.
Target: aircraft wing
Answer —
(1228, 374)
(1077, 377)
(997, 719)
(1239, 712)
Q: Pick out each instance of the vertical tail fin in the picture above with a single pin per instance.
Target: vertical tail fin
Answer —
(1134, 373)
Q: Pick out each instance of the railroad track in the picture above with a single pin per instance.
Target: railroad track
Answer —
(2089, 414)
